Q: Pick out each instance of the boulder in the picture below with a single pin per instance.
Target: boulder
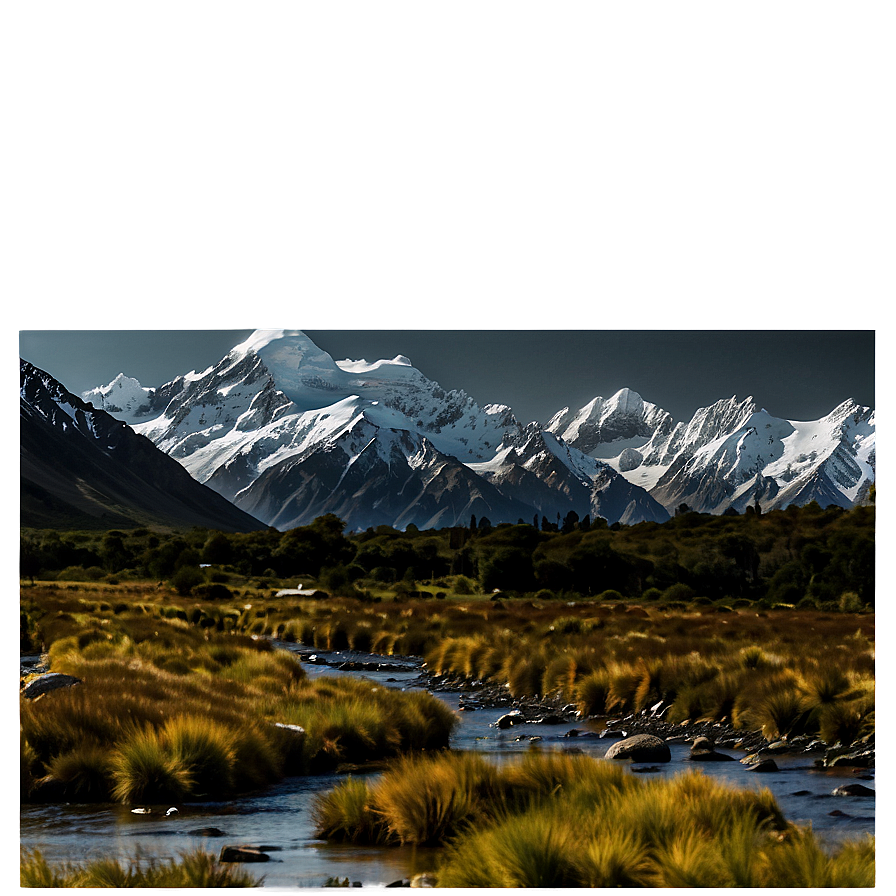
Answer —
(51, 681)
(640, 748)
(852, 790)
(243, 854)
(764, 765)
(514, 717)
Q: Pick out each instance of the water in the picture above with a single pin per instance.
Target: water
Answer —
(280, 817)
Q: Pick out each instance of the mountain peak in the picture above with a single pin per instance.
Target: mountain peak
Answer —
(626, 401)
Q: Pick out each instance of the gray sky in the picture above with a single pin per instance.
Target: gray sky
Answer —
(797, 374)
(595, 167)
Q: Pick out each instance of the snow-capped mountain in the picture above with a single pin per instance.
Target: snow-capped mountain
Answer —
(287, 433)
(79, 466)
(606, 427)
(123, 397)
(733, 454)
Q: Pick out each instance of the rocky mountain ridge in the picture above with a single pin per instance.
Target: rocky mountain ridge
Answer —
(287, 433)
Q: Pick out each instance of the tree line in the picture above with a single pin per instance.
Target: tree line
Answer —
(818, 557)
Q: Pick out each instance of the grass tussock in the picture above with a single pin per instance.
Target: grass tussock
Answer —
(168, 711)
(194, 869)
(563, 820)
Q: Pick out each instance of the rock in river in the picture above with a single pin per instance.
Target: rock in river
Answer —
(853, 790)
(243, 854)
(640, 748)
(514, 717)
(704, 750)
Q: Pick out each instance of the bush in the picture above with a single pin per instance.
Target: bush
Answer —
(211, 591)
(679, 592)
(185, 578)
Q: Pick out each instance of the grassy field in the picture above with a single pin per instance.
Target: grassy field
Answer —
(184, 696)
(170, 709)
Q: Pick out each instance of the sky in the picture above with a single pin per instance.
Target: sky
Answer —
(798, 375)
(506, 166)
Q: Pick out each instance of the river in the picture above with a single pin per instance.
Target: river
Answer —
(279, 817)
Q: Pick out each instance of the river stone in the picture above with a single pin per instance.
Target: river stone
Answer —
(514, 717)
(243, 854)
(52, 681)
(853, 790)
(764, 765)
(709, 756)
(640, 748)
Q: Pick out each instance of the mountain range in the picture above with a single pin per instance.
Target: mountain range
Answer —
(284, 432)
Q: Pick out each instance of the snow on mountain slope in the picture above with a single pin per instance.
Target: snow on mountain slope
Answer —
(779, 457)
(369, 476)
(604, 427)
(277, 406)
(123, 398)
(282, 374)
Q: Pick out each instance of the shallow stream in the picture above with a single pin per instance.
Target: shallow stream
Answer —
(279, 818)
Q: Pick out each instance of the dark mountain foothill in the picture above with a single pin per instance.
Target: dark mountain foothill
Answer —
(82, 468)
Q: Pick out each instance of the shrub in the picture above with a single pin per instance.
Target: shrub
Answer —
(211, 591)
(679, 592)
(185, 578)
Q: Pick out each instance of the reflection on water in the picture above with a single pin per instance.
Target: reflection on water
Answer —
(280, 817)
